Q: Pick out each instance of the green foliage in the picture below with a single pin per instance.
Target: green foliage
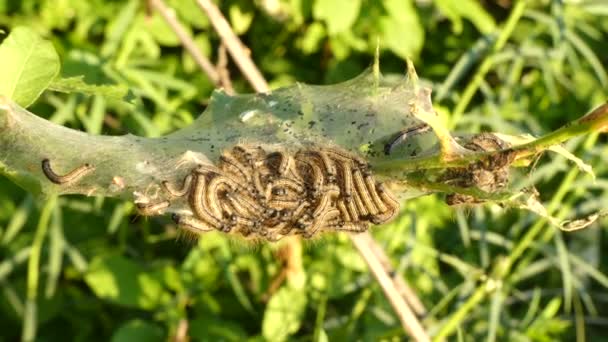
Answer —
(284, 313)
(104, 273)
(124, 282)
(456, 10)
(338, 15)
(138, 330)
(78, 85)
(401, 29)
(29, 64)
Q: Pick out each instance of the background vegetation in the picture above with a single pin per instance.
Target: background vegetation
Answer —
(107, 274)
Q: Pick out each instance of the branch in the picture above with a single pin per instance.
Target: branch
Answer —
(408, 319)
(234, 45)
(202, 61)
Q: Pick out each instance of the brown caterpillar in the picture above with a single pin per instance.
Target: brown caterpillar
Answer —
(70, 177)
(267, 195)
(182, 191)
(151, 209)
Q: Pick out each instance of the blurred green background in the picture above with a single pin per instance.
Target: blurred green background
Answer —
(107, 274)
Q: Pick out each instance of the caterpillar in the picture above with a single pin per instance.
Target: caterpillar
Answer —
(266, 195)
(70, 177)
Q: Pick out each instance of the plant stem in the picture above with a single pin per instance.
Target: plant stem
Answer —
(502, 269)
(234, 46)
(595, 121)
(456, 318)
(407, 317)
(202, 61)
(33, 271)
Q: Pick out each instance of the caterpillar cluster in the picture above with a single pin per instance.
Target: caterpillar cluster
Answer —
(269, 195)
(489, 175)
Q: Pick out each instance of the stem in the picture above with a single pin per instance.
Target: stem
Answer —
(202, 61)
(234, 45)
(33, 271)
(502, 269)
(456, 318)
(531, 235)
(408, 319)
(594, 121)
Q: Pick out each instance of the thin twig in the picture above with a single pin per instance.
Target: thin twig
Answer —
(222, 70)
(408, 319)
(237, 50)
(181, 333)
(404, 289)
(202, 61)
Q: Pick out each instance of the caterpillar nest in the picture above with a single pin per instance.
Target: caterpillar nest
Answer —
(268, 195)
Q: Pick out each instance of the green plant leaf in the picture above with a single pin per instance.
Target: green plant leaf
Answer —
(339, 15)
(469, 9)
(311, 40)
(209, 328)
(284, 314)
(78, 85)
(138, 330)
(240, 17)
(29, 64)
(160, 30)
(190, 13)
(124, 282)
(401, 30)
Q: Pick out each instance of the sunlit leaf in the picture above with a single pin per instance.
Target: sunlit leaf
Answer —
(401, 29)
(472, 10)
(124, 282)
(284, 313)
(240, 18)
(29, 64)
(338, 14)
(138, 330)
(78, 85)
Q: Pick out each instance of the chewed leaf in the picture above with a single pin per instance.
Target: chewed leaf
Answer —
(78, 85)
(583, 222)
(568, 155)
(530, 202)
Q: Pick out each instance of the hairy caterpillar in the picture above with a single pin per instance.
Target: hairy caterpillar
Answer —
(267, 195)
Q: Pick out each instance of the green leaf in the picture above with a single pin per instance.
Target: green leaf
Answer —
(138, 330)
(241, 17)
(552, 308)
(209, 328)
(118, 27)
(78, 85)
(339, 15)
(122, 281)
(29, 64)
(311, 40)
(401, 30)
(284, 313)
(469, 9)
(161, 31)
(190, 13)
